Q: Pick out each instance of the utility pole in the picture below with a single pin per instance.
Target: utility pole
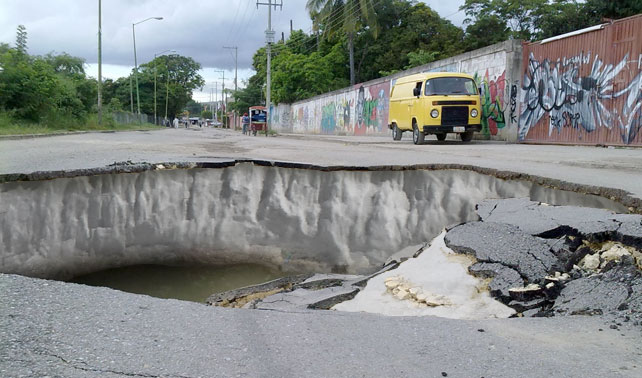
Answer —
(223, 94)
(167, 94)
(155, 74)
(100, 66)
(269, 40)
(236, 56)
(131, 94)
(236, 67)
(216, 99)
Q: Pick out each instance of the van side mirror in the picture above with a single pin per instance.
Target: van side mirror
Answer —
(416, 92)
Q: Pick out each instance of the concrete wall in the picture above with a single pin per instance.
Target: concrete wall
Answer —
(363, 109)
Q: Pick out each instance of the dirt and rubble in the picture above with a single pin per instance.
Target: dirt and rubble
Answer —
(556, 260)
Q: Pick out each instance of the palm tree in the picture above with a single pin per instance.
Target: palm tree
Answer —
(343, 16)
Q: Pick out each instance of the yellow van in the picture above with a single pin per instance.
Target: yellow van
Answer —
(435, 103)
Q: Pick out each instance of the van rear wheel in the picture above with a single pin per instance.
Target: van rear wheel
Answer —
(417, 136)
(396, 133)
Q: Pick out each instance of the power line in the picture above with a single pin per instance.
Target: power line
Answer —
(238, 26)
(229, 32)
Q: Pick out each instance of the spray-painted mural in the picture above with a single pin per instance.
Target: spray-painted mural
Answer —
(556, 93)
(490, 73)
(363, 109)
(359, 111)
(492, 101)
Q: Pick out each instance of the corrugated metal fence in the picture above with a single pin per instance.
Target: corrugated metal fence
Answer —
(584, 89)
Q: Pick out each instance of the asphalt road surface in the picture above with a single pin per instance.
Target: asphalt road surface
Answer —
(56, 329)
(607, 167)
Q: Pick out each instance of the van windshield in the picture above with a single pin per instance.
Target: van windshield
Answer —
(450, 86)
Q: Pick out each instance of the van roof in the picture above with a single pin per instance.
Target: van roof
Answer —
(430, 75)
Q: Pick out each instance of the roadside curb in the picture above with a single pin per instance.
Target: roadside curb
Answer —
(33, 136)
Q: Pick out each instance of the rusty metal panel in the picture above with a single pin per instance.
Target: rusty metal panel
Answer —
(584, 89)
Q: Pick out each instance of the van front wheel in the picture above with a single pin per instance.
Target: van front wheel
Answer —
(417, 136)
(467, 136)
(396, 133)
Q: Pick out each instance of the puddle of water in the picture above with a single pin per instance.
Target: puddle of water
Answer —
(190, 283)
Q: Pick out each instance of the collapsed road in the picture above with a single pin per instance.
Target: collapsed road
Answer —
(541, 260)
(62, 329)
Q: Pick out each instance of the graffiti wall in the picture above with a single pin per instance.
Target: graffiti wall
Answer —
(363, 109)
(492, 73)
(585, 89)
(360, 110)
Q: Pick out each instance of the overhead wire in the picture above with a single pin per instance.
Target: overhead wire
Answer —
(333, 20)
(241, 25)
(234, 19)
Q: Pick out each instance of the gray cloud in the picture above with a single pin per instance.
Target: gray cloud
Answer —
(195, 28)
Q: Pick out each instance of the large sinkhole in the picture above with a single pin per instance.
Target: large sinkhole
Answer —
(237, 225)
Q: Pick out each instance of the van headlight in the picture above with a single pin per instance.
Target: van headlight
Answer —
(434, 113)
(473, 113)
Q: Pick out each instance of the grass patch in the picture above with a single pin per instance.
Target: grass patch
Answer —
(11, 126)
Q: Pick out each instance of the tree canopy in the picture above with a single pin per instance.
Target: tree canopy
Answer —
(364, 40)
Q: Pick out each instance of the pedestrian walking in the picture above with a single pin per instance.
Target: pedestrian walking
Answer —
(246, 124)
(176, 123)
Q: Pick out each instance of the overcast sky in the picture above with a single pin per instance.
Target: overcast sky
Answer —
(195, 28)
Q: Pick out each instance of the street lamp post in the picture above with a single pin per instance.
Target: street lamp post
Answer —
(167, 94)
(155, 55)
(136, 60)
(100, 65)
(223, 95)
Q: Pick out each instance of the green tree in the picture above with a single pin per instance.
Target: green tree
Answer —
(596, 10)
(560, 17)
(343, 17)
(299, 76)
(251, 95)
(28, 87)
(420, 57)
(21, 40)
(114, 105)
(176, 79)
(485, 31)
(66, 64)
(408, 31)
(519, 15)
(193, 108)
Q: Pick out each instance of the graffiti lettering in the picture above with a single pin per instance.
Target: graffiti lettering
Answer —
(492, 98)
(513, 103)
(328, 122)
(358, 111)
(584, 103)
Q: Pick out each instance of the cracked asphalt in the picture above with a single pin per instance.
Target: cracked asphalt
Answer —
(56, 329)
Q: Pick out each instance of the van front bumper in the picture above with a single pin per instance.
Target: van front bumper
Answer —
(450, 129)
